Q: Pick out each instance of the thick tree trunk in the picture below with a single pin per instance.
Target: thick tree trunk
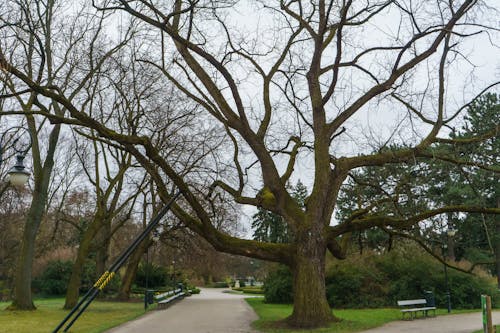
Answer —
(22, 287)
(42, 174)
(102, 252)
(310, 307)
(131, 270)
(75, 279)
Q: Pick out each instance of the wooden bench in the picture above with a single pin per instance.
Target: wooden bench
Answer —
(410, 307)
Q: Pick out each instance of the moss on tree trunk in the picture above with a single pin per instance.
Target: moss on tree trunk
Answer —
(74, 283)
(310, 306)
(22, 294)
(497, 246)
(130, 272)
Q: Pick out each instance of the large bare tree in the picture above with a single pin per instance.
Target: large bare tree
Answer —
(47, 39)
(289, 91)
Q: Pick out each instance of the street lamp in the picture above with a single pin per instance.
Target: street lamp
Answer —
(174, 278)
(18, 175)
(154, 238)
(449, 235)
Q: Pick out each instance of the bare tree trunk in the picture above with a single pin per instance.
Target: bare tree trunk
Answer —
(75, 279)
(310, 307)
(102, 252)
(130, 272)
(22, 290)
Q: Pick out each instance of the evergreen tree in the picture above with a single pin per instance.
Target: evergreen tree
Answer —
(270, 227)
(403, 190)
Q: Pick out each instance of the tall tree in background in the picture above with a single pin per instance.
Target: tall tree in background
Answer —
(298, 93)
(271, 227)
(424, 184)
(114, 204)
(33, 35)
(52, 44)
(481, 187)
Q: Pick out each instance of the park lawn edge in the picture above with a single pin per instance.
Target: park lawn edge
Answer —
(353, 320)
(101, 316)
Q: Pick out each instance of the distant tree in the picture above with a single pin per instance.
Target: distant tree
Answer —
(271, 227)
(481, 187)
(404, 189)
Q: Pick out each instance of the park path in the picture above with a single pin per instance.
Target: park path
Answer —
(211, 311)
(460, 323)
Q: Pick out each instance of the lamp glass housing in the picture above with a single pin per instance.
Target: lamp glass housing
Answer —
(17, 175)
(18, 179)
(451, 232)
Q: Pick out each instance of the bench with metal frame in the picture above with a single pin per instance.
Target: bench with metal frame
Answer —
(412, 310)
(168, 297)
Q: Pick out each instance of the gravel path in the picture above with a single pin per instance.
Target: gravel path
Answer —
(211, 311)
(461, 323)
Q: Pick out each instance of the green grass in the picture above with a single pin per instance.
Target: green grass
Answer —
(353, 320)
(99, 317)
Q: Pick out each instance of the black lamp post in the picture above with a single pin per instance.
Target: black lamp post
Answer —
(18, 175)
(174, 278)
(148, 293)
(449, 234)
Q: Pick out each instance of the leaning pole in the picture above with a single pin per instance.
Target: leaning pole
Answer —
(101, 283)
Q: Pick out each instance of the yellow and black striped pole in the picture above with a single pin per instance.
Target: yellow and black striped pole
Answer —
(108, 275)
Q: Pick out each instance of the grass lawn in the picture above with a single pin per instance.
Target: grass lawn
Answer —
(99, 316)
(353, 320)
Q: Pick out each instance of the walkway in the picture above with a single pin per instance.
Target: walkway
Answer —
(211, 311)
(461, 323)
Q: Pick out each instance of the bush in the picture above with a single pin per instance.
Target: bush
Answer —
(54, 279)
(195, 291)
(375, 280)
(4, 291)
(219, 284)
(156, 276)
(381, 280)
(278, 286)
(252, 290)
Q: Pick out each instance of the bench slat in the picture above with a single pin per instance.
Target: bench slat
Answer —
(418, 309)
(412, 302)
(168, 293)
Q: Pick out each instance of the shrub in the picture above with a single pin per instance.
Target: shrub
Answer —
(4, 291)
(195, 291)
(375, 280)
(381, 280)
(156, 276)
(219, 284)
(278, 286)
(252, 290)
(54, 278)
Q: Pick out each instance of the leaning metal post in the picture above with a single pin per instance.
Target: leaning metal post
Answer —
(108, 275)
